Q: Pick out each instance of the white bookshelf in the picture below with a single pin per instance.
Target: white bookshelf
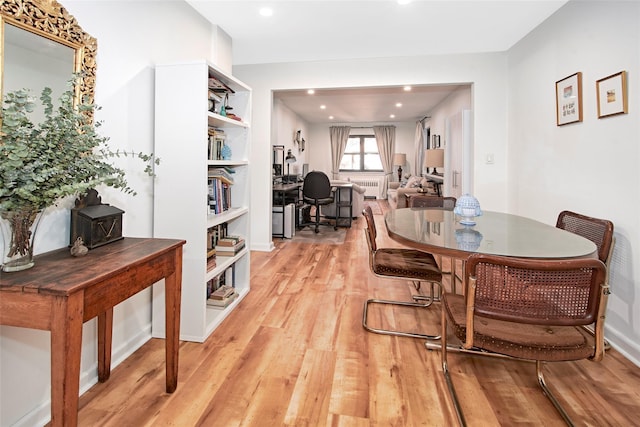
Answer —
(180, 192)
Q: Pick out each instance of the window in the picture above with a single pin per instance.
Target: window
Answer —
(361, 155)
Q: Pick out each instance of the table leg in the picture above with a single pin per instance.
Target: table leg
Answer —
(172, 292)
(66, 348)
(105, 332)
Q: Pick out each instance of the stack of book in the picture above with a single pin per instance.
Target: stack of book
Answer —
(216, 143)
(229, 245)
(222, 297)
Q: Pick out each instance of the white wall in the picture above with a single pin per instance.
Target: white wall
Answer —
(132, 37)
(589, 167)
(487, 72)
(286, 123)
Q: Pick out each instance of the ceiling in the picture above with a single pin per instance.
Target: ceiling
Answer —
(317, 30)
(365, 104)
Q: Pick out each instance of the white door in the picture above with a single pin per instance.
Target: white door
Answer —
(458, 155)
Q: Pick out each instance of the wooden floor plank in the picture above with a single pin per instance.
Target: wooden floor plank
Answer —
(294, 353)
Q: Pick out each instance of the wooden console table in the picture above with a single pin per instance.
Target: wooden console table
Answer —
(61, 292)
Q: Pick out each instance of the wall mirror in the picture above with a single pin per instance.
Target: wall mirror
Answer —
(41, 45)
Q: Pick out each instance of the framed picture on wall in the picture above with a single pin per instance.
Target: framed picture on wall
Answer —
(612, 95)
(569, 99)
(435, 141)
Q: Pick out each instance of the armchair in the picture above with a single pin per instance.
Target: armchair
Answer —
(396, 195)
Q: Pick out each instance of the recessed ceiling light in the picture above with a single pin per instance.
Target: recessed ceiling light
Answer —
(398, 104)
(407, 88)
(392, 116)
(266, 11)
(322, 107)
(330, 117)
(311, 91)
(404, 1)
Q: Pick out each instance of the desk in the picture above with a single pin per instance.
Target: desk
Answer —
(280, 192)
(61, 292)
(343, 204)
(438, 231)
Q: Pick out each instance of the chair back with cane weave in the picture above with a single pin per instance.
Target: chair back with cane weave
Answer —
(599, 231)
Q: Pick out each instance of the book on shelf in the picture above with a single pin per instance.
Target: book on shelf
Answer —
(220, 290)
(222, 250)
(219, 87)
(216, 142)
(223, 302)
(211, 263)
(222, 173)
(215, 233)
(225, 278)
(219, 196)
(214, 96)
(223, 292)
(229, 240)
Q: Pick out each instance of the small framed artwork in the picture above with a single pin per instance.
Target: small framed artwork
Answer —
(569, 99)
(612, 95)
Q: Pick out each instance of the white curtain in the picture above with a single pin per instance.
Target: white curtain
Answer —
(419, 148)
(339, 136)
(386, 140)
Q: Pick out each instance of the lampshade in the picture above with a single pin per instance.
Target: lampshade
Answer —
(399, 159)
(290, 157)
(434, 158)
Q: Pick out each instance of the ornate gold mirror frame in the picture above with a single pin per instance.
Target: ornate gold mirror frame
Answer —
(47, 18)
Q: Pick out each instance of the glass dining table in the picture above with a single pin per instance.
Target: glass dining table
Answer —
(440, 232)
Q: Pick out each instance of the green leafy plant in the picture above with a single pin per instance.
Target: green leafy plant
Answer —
(63, 155)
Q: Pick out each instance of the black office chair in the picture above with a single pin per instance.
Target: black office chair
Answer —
(317, 191)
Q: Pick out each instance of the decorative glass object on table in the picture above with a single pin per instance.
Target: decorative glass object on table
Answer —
(467, 207)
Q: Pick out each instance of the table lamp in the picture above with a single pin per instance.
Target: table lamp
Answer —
(399, 159)
(433, 159)
(289, 159)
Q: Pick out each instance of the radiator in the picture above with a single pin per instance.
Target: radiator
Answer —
(371, 184)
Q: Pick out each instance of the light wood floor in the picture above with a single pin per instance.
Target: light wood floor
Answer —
(294, 353)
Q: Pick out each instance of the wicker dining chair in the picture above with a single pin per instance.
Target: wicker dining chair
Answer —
(402, 264)
(527, 309)
(599, 231)
(447, 203)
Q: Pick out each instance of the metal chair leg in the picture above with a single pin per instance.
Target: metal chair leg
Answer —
(444, 348)
(550, 396)
(429, 299)
(392, 332)
(445, 371)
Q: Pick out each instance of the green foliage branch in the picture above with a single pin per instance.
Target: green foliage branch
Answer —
(42, 163)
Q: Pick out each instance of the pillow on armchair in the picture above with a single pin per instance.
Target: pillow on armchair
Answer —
(413, 182)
